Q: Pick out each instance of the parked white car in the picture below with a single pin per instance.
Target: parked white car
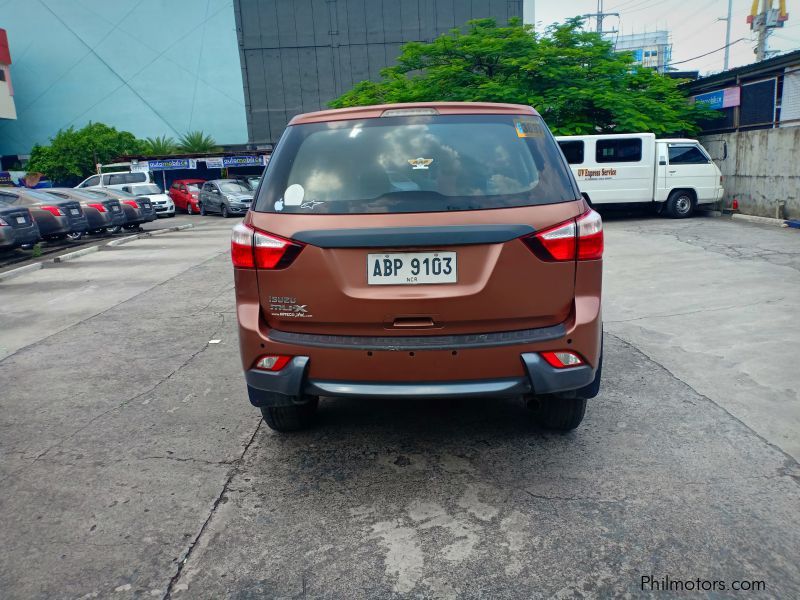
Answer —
(637, 168)
(163, 204)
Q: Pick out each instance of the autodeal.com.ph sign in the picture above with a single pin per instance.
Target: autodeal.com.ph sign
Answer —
(720, 98)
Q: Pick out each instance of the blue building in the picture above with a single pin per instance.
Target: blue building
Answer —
(151, 67)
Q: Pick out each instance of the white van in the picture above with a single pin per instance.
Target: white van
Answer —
(116, 180)
(636, 167)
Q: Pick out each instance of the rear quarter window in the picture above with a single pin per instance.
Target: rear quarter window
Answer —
(618, 150)
(415, 164)
(573, 151)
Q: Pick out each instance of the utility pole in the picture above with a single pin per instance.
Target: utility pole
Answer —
(763, 33)
(599, 15)
(765, 21)
(728, 35)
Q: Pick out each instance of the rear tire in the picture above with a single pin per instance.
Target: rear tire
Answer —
(557, 412)
(680, 204)
(290, 418)
(224, 211)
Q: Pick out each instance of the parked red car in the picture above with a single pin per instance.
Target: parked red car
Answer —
(185, 192)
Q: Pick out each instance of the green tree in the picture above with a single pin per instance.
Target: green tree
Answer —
(571, 76)
(73, 153)
(159, 146)
(197, 141)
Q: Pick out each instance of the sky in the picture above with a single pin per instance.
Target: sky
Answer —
(694, 26)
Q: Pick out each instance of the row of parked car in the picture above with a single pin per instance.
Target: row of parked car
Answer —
(30, 215)
(112, 202)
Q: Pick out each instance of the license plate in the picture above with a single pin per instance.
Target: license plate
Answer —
(115, 208)
(20, 219)
(411, 268)
(145, 204)
(74, 211)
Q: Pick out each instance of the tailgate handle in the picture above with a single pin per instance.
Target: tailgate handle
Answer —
(413, 322)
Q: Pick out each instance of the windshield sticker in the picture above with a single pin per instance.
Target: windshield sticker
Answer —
(311, 204)
(279, 205)
(528, 128)
(420, 163)
(293, 196)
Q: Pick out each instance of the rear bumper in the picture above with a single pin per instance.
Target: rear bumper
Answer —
(291, 384)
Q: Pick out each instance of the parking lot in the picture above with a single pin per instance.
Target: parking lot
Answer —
(134, 466)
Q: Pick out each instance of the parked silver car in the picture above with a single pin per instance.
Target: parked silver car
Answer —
(226, 197)
(17, 227)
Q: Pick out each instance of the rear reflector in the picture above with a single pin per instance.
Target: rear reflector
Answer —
(253, 248)
(580, 238)
(272, 362)
(98, 206)
(53, 210)
(562, 359)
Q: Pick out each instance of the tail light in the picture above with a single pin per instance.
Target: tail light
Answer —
(98, 206)
(272, 362)
(3, 222)
(53, 210)
(563, 359)
(251, 248)
(132, 203)
(577, 239)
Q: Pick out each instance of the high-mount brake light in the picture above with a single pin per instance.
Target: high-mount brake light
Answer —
(409, 112)
(577, 239)
(251, 248)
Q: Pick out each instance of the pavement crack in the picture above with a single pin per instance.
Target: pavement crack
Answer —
(236, 466)
(699, 310)
(191, 460)
(791, 462)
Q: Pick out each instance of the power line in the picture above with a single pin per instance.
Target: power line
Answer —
(707, 53)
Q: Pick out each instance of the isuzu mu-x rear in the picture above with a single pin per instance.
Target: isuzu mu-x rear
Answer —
(419, 250)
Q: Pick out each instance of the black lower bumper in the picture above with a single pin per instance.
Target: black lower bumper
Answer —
(290, 385)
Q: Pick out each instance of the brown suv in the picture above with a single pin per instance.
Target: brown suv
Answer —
(419, 250)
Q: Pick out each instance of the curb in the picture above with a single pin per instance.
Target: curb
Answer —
(761, 220)
(120, 241)
(76, 254)
(20, 271)
(88, 250)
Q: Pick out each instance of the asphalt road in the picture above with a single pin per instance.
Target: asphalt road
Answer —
(133, 466)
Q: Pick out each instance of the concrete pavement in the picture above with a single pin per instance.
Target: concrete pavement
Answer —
(133, 466)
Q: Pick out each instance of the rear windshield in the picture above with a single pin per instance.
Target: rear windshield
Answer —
(416, 164)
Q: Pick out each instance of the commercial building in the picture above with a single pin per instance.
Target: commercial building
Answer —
(755, 140)
(652, 50)
(7, 108)
(151, 67)
(297, 55)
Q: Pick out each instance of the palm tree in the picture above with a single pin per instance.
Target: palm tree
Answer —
(159, 146)
(196, 142)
